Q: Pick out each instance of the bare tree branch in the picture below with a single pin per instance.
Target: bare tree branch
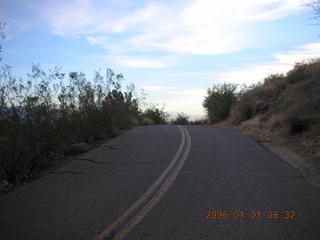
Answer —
(2, 36)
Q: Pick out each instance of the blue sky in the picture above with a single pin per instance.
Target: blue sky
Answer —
(174, 50)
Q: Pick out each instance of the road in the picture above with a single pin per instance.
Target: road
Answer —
(167, 182)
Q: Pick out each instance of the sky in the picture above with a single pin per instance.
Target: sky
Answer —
(174, 50)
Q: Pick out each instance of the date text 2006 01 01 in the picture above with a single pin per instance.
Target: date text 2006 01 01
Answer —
(253, 214)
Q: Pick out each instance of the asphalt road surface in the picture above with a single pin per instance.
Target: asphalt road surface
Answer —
(167, 182)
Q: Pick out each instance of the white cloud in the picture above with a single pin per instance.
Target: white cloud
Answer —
(155, 88)
(132, 20)
(282, 62)
(196, 92)
(97, 40)
(69, 17)
(142, 62)
(301, 53)
(203, 27)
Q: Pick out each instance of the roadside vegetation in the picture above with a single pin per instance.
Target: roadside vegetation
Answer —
(287, 103)
(219, 100)
(52, 114)
(153, 115)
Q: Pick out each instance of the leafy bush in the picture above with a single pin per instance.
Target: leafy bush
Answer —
(46, 112)
(219, 100)
(155, 114)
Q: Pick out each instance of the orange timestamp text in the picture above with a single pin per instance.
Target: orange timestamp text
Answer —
(251, 214)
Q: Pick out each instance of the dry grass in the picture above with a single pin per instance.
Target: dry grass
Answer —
(290, 102)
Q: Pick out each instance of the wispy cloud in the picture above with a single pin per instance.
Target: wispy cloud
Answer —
(141, 62)
(69, 17)
(281, 63)
(203, 27)
(156, 88)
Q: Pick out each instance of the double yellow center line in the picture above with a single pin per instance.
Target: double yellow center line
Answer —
(118, 229)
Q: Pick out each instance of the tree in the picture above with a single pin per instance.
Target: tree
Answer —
(315, 5)
(219, 100)
(2, 36)
(181, 119)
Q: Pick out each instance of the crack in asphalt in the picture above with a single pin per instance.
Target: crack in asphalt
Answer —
(119, 146)
(71, 172)
(113, 163)
(108, 146)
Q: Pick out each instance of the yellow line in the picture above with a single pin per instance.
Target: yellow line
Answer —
(150, 190)
(144, 211)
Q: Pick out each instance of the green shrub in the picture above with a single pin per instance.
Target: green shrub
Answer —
(219, 100)
(157, 115)
(49, 112)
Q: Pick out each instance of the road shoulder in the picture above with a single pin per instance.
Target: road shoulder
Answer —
(294, 153)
